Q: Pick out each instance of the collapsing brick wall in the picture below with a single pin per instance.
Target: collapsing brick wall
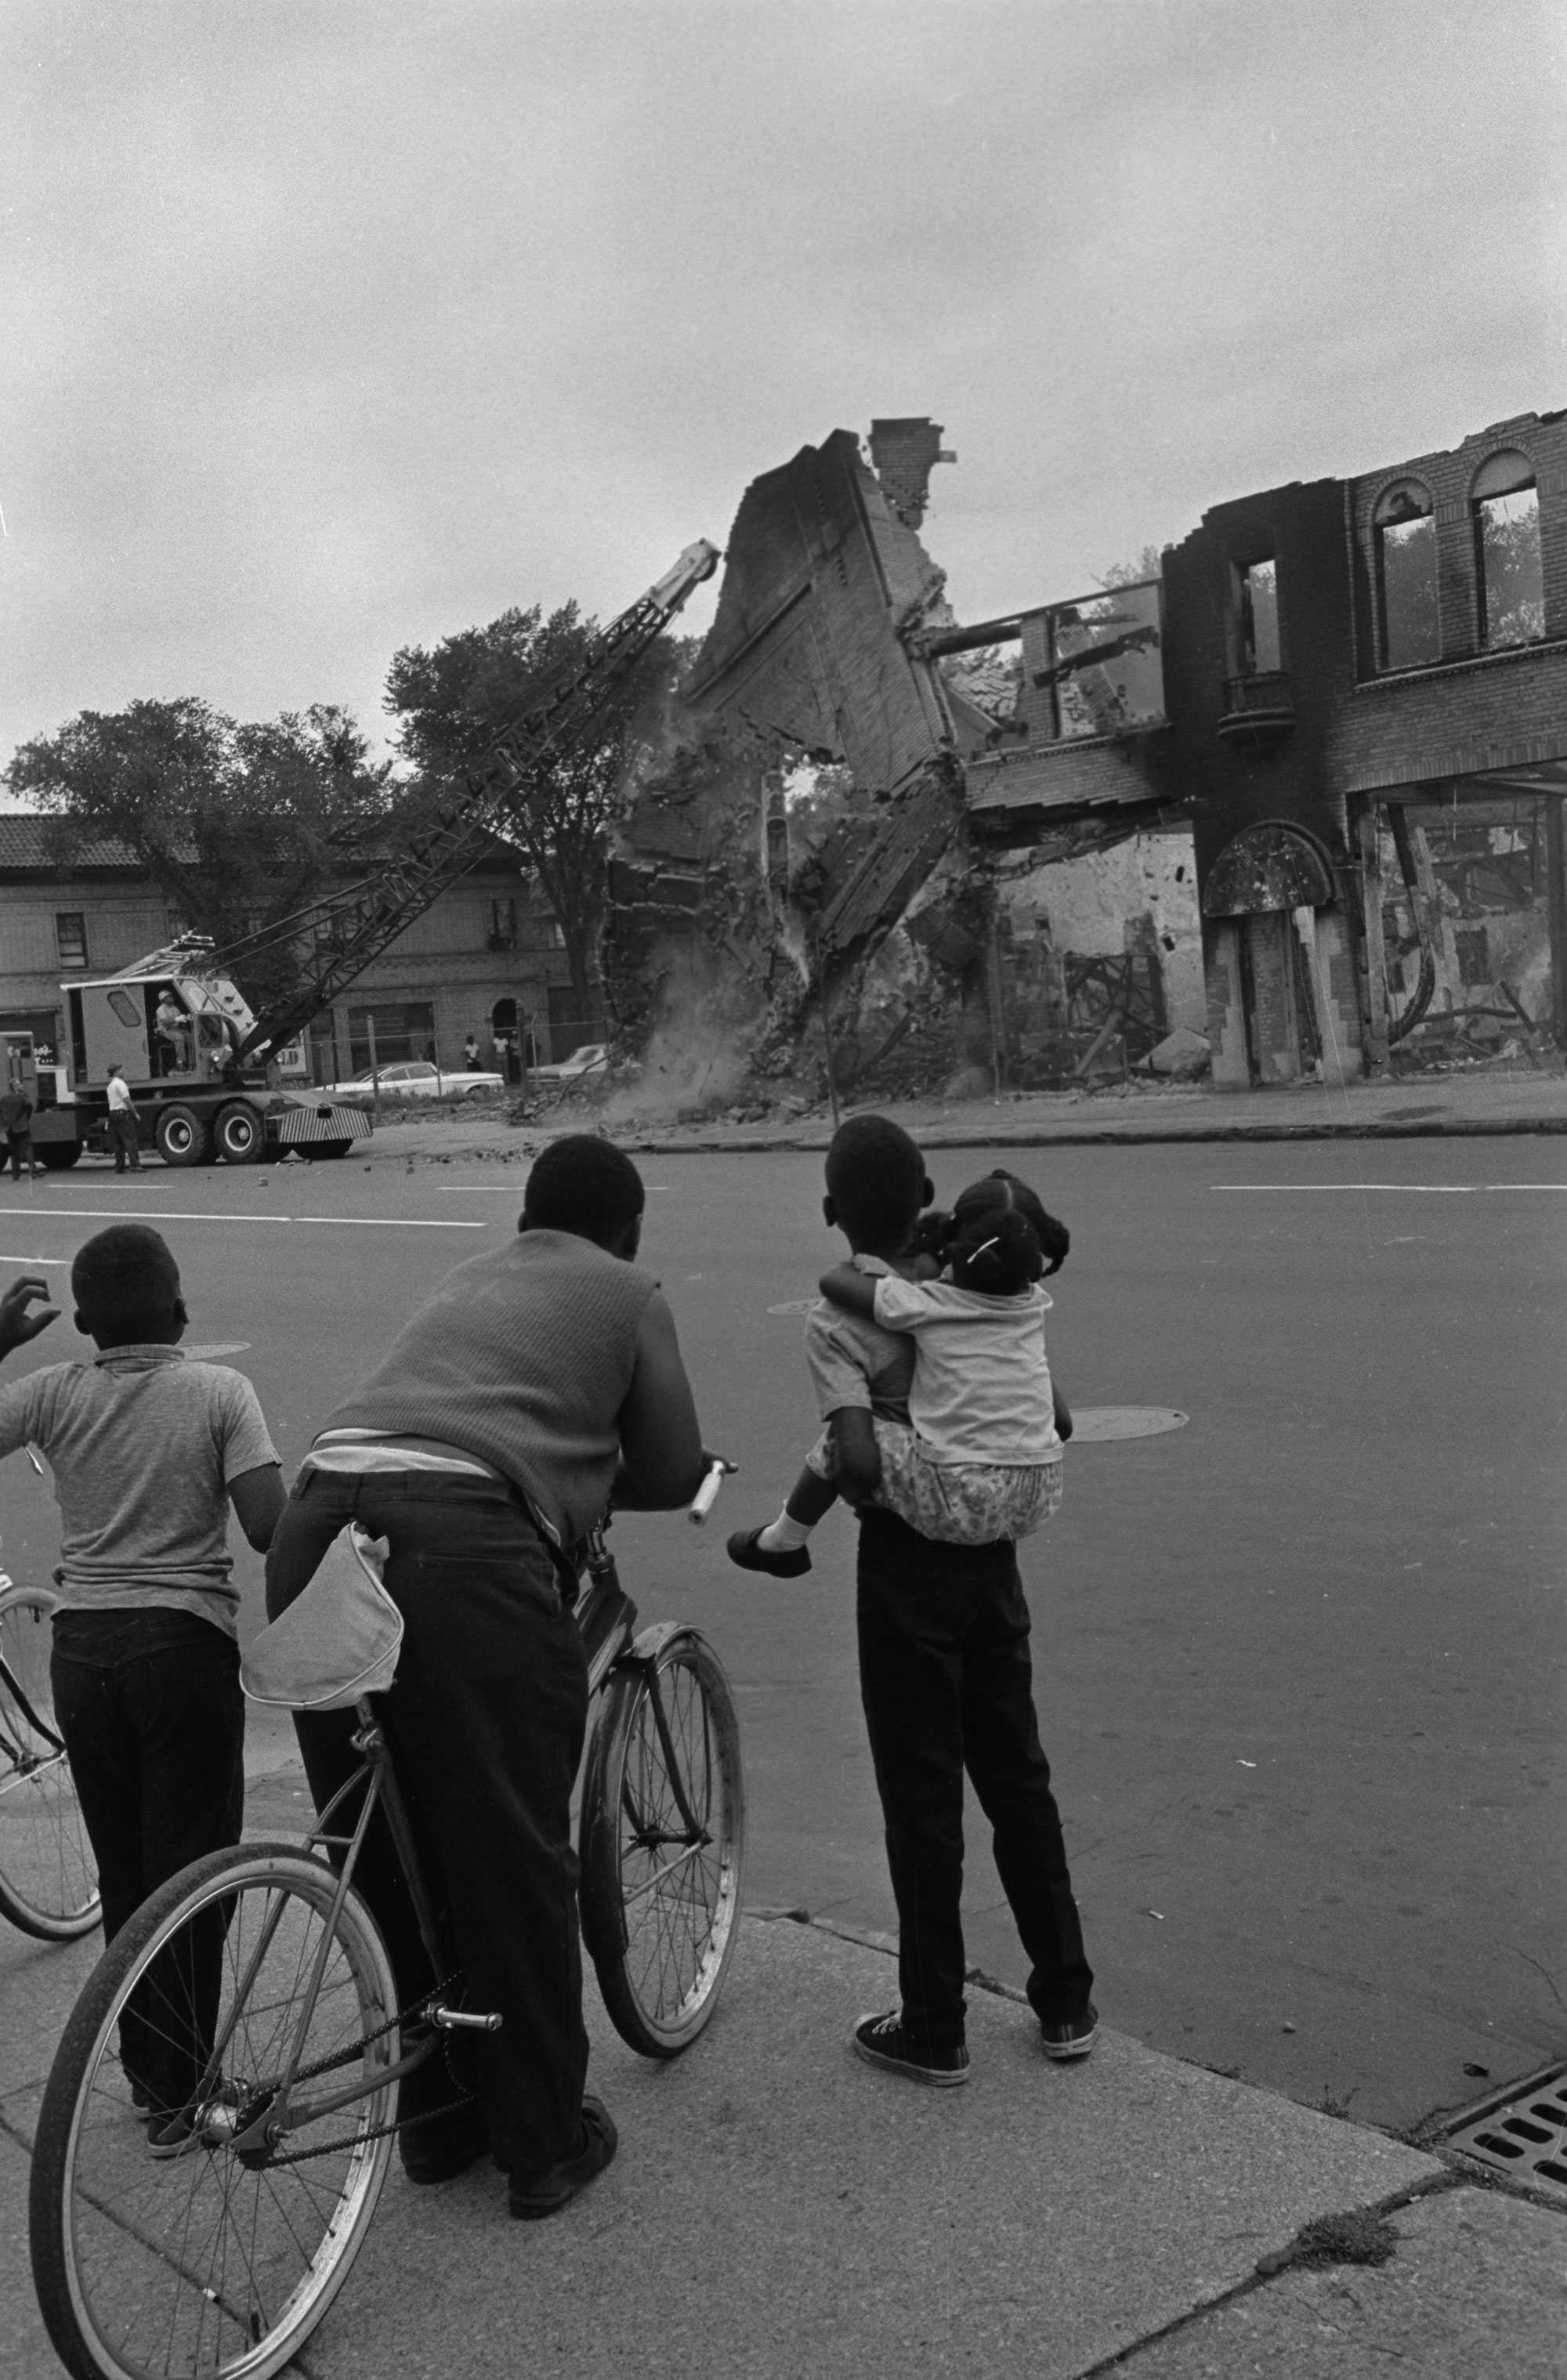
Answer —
(814, 653)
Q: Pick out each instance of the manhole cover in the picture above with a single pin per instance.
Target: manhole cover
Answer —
(1089, 1422)
(1520, 2132)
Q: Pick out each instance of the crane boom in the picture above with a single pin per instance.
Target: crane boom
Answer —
(353, 927)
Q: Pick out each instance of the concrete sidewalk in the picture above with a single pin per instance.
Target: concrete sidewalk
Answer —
(1438, 1106)
(778, 2209)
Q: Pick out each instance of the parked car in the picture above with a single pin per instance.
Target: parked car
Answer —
(418, 1078)
(581, 1062)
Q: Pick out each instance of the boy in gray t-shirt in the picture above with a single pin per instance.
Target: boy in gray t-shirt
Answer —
(147, 1451)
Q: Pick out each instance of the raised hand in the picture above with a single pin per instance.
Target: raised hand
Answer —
(17, 1324)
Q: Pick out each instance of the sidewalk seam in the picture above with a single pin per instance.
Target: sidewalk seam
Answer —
(1437, 2185)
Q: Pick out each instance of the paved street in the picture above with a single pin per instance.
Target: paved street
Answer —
(1299, 1663)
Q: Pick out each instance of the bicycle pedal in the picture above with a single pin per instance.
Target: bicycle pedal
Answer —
(463, 2020)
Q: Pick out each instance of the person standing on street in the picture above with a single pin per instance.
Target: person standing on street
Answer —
(16, 1122)
(485, 1445)
(123, 1137)
(149, 1451)
(470, 1053)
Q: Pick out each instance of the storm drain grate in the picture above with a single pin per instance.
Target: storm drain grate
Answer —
(1522, 2132)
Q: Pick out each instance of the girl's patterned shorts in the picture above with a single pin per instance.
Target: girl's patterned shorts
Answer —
(956, 1503)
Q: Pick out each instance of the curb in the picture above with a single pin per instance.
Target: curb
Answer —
(1043, 1136)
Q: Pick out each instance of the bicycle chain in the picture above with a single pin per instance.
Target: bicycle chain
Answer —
(347, 2058)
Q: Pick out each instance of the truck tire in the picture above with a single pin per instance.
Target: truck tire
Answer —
(184, 1136)
(57, 1156)
(240, 1134)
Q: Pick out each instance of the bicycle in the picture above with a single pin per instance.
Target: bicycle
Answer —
(48, 1883)
(266, 1971)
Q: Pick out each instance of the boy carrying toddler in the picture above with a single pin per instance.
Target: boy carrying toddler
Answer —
(946, 1679)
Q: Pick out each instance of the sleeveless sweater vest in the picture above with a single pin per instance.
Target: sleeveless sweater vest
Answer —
(523, 1357)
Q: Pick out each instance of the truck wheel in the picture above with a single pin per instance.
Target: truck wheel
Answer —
(57, 1156)
(184, 1137)
(240, 1136)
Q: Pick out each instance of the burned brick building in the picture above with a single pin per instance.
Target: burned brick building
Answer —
(1368, 717)
(1351, 695)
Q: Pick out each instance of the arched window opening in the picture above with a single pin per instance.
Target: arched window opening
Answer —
(1506, 509)
(1403, 533)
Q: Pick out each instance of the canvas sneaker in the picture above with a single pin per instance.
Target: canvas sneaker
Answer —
(881, 2041)
(1071, 2036)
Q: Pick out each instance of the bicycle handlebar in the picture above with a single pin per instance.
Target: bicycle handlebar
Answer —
(705, 1495)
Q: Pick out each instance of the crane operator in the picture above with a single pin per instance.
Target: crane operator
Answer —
(533, 1383)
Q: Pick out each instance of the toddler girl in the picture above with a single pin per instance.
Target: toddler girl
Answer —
(980, 1459)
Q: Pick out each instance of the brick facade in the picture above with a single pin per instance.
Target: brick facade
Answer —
(487, 940)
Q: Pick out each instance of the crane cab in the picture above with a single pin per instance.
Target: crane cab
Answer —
(163, 1030)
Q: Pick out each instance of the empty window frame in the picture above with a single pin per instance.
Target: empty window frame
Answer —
(1505, 508)
(1403, 537)
(70, 937)
(1257, 617)
(1104, 662)
(402, 1029)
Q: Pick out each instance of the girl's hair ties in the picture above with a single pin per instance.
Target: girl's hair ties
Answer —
(975, 1253)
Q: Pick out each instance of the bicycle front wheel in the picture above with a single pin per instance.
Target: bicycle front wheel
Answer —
(194, 2210)
(48, 1877)
(662, 1839)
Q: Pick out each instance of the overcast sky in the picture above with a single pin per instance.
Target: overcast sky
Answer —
(331, 328)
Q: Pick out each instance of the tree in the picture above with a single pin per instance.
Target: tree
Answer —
(455, 697)
(1150, 563)
(240, 825)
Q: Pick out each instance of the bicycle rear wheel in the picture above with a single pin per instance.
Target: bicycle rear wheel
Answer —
(663, 1841)
(217, 2255)
(48, 1877)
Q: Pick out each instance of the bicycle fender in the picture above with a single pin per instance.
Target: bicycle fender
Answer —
(645, 1649)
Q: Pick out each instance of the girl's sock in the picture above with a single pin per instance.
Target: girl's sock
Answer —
(784, 1536)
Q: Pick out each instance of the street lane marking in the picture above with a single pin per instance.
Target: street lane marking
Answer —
(1429, 1189)
(35, 1260)
(351, 1222)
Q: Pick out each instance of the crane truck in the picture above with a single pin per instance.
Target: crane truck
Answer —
(201, 1068)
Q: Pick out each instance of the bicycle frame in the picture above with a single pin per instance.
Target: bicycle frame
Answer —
(14, 1752)
(607, 1617)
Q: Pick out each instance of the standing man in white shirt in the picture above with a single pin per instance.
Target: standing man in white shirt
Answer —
(122, 1123)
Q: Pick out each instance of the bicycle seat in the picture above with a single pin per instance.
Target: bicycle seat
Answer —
(337, 1640)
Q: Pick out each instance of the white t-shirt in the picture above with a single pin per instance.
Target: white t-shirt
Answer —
(120, 1101)
(142, 1444)
(981, 1390)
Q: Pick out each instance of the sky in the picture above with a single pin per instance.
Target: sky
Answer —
(334, 326)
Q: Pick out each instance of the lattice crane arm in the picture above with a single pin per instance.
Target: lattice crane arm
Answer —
(352, 927)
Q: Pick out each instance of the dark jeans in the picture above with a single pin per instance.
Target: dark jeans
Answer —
(18, 1148)
(149, 1706)
(486, 1721)
(123, 1140)
(947, 1684)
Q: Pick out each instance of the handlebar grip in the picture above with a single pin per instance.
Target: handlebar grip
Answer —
(705, 1495)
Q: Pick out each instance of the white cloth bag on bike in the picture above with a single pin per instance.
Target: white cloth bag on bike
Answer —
(337, 1640)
